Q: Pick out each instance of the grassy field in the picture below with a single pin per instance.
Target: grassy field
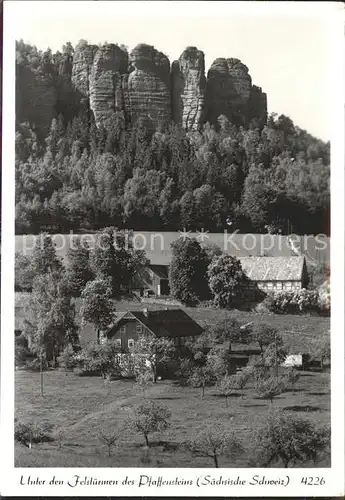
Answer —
(79, 406)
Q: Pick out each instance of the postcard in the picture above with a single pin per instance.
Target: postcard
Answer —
(172, 305)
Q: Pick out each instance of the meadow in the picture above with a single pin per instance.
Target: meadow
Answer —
(79, 407)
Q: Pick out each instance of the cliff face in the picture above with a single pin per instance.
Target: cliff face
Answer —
(106, 92)
(105, 80)
(228, 91)
(149, 92)
(188, 88)
(82, 65)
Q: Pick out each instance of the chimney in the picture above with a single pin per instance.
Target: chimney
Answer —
(146, 312)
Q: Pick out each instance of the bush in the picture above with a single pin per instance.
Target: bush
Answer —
(34, 365)
(32, 432)
(101, 359)
(67, 358)
(293, 302)
(22, 354)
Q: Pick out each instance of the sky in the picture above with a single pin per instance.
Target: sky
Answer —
(288, 52)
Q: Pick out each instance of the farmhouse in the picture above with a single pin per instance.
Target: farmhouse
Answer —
(273, 274)
(172, 323)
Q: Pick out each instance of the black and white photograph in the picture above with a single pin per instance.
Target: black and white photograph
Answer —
(172, 240)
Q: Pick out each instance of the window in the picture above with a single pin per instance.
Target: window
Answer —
(139, 328)
(123, 329)
(118, 342)
(130, 343)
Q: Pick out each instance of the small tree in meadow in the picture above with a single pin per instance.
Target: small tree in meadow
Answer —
(202, 377)
(293, 377)
(270, 388)
(322, 349)
(67, 358)
(227, 386)
(270, 360)
(109, 438)
(265, 335)
(226, 280)
(218, 360)
(214, 441)
(289, 440)
(242, 379)
(150, 417)
(143, 381)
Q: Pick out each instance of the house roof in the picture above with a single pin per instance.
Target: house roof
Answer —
(273, 268)
(163, 323)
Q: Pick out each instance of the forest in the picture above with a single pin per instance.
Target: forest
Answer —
(271, 178)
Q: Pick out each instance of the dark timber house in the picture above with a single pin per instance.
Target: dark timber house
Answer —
(172, 323)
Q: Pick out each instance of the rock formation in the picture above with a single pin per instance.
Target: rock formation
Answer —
(149, 91)
(188, 88)
(228, 91)
(103, 80)
(82, 65)
(106, 92)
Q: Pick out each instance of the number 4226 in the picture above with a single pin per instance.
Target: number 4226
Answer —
(313, 481)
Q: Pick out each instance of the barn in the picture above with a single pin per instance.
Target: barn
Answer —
(153, 278)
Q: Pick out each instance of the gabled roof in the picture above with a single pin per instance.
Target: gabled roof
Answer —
(163, 323)
(273, 268)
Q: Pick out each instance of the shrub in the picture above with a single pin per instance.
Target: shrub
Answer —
(100, 359)
(22, 354)
(34, 365)
(32, 432)
(294, 302)
(67, 358)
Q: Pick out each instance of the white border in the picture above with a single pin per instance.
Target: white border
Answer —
(10, 477)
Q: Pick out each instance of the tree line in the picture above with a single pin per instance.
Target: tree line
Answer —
(274, 178)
